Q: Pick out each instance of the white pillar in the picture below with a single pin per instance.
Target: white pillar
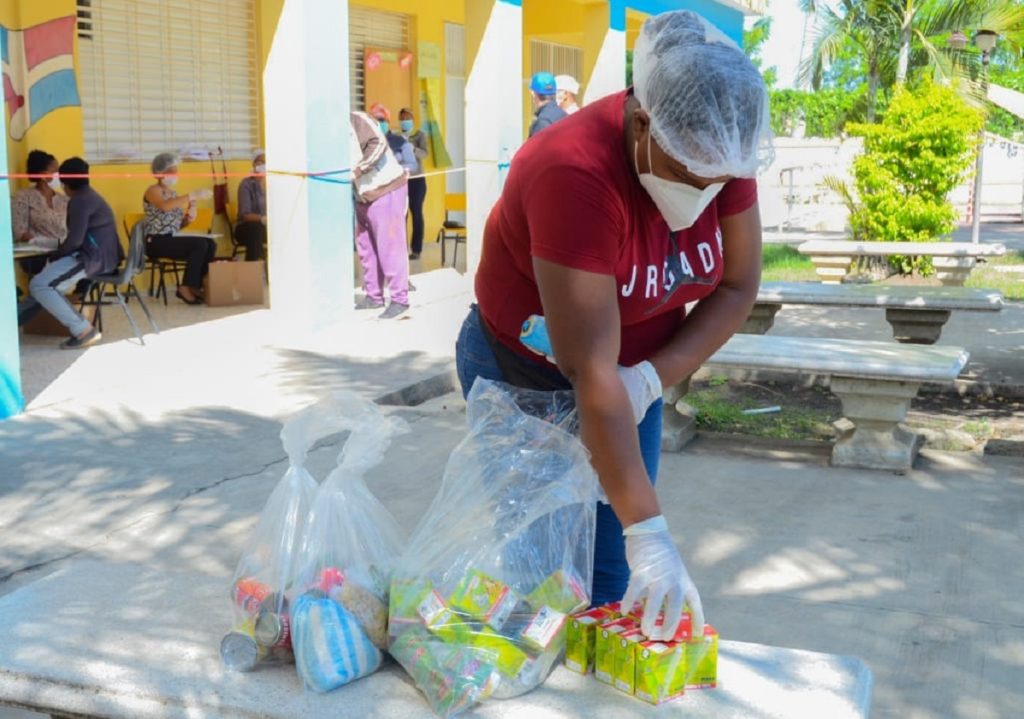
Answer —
(494, 112)
(306, 91)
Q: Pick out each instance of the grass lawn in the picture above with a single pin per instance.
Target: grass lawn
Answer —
(782, 263)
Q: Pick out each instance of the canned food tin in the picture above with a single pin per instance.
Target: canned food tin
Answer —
(248, 594)
(272, 630)
(240, 652)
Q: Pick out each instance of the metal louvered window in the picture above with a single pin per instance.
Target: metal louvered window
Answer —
(161, 76)
(454, 49)
(556, 59)
(371, 28)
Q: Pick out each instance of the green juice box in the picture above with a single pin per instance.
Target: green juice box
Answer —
(624, 663)
(605, 645)
(580, 636)
(702, 660)
(660, 671)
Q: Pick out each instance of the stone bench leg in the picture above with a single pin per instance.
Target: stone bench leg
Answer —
(761, 318)
(912, 326)
(677, 428)
(876, 440)
(832, 270)
(953, 271)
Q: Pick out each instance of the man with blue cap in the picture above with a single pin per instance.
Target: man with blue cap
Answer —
(543, 89)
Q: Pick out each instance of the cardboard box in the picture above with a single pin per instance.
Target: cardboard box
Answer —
(234, 283)
(660, 671)
(45, 324)
(702, 660)
(580, 636)
(605, 646)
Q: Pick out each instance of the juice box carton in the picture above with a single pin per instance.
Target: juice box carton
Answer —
(562, 590)
(702, 660)
(483, 598)
(503, 652)
(605, 644)
(580, 635)
(660, 671)
(624, 663)
(684, 632)
(544, 629)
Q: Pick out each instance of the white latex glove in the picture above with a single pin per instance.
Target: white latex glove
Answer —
(643, 386)
(204, 193)
(657, 573)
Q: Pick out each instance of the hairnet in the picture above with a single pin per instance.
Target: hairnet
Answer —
(163, 162)
(708, 103)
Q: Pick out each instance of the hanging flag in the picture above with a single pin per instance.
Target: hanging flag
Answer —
(38, 72)
(432, 125)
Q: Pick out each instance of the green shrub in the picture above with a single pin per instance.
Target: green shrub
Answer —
(825, 112)
(912, 160)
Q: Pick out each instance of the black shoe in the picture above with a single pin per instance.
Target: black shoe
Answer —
(394, 310)
(367, 304)
(196, 299)
(77, 343)
(414, 255)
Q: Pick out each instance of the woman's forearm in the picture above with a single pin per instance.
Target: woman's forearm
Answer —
(710, 325)
(609, 433)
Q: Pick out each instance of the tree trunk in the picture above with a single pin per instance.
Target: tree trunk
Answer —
(873, 82)
(904, 60)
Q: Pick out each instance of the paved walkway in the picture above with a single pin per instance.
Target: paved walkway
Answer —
(170, 451)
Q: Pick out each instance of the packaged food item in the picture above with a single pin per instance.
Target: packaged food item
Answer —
(702, 660)
(624, 661)
(581, 633)
(331, 648)
(505, 551)
(660, 671)
(606, 644)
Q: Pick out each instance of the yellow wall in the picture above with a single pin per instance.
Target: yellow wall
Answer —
(558, 21)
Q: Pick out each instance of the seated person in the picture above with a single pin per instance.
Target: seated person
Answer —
(251, 230)
(90, 248)
(39, 212)
(166, 214)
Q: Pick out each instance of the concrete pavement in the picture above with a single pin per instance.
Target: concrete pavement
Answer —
(165, 455)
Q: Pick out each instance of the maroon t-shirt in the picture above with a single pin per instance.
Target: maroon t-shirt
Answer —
(573, 198)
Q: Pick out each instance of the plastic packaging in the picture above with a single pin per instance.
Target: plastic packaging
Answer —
(340, 597)
(480, 597)
(262, 627)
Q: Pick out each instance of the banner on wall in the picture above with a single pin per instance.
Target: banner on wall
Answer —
(38, 72)
(432, 123)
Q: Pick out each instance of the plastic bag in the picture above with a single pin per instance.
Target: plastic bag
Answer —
(340, 598)
(261, 630)
(503, 555)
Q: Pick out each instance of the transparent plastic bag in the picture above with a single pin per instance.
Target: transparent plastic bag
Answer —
(261, 630)
(504, 554)
(340, 597)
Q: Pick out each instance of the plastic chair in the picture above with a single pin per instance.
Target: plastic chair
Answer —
(231, 214)
(454, 230)
(133, 266)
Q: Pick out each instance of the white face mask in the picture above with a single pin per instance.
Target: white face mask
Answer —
(259, 169)
(54, 182)
(169, 180)
(679, 204)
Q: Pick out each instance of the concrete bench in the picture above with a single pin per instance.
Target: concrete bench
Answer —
(876, 382)
(953, 261)
(111, 640)
(917, 314)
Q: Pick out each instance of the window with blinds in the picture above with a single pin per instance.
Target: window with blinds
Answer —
(161, 76)
(371, 28)
(556, 59)
(454, 49)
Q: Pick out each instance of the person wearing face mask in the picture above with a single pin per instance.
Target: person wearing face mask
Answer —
(166, 214)
(251, 228)
(609, 226)
(90, 247)
(568, 89)
(417, 184)
(39, 212)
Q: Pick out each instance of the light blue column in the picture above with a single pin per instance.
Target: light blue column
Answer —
(306, 91)
(11, 400)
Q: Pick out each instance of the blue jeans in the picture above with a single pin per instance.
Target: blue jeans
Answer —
(48, 288)
(474, 358)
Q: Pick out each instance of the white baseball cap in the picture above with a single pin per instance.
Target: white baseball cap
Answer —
(567, 83)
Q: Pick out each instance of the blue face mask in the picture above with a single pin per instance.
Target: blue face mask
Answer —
(384, 127)
(406, 125)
